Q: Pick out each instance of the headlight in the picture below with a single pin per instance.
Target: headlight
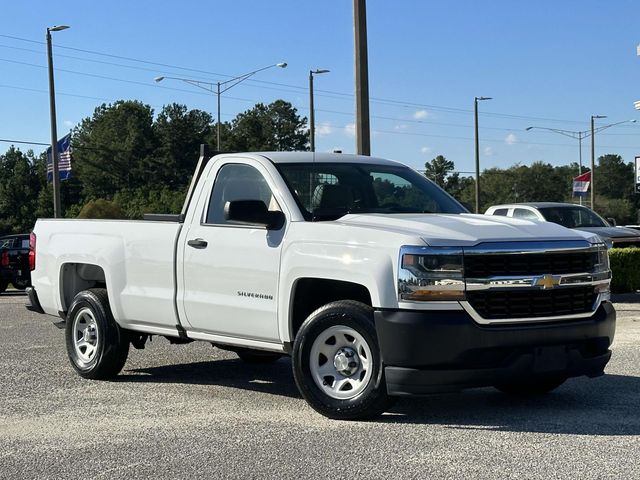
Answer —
(427, 276)
(601, 270)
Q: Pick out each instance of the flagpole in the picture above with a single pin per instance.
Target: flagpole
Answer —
(57, 206)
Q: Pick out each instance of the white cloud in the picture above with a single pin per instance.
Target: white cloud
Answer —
(69, 123)
(421, 114)
(324, 129)
(402, 126)
(488, 152)
(510, 139)
(350, 129)
(425, 150)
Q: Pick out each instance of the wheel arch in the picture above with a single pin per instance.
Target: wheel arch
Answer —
(310, 293)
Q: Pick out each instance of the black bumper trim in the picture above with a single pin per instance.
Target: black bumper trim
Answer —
(34, 303)
(443, 351)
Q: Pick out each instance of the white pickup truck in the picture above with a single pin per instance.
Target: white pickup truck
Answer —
(374, 280)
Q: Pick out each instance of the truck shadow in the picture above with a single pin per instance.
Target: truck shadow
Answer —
(272, 378)
(608, 405)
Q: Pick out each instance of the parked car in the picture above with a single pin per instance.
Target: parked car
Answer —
(570, 216)
(14, 262)
(374, 280)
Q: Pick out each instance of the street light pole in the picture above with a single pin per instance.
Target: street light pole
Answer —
(593, 161)
(363, 135)
(57, 206)
(312, 122)
(219, 88)
(475, 113)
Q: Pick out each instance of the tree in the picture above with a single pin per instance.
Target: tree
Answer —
(113, 149)
(19, 187)
(101, 208)
(276, 126)
(614, 178)
(438, 169)
(178, 134)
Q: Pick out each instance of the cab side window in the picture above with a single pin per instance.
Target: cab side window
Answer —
(501, 211)
(237, 182)
(524, 213)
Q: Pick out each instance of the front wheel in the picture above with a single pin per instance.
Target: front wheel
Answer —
(337, 364)
(531, 386)
(97, 347)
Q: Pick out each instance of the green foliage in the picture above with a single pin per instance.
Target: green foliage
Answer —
(273, 127)
(101, 208)
(113, 149)
(625, 267)
(19, 188)
(135, 203)
(614, 178)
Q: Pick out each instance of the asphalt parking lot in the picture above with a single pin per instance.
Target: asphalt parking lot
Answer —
(191, 410)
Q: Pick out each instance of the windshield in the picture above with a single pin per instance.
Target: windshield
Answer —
(327, 191)
(573, 217)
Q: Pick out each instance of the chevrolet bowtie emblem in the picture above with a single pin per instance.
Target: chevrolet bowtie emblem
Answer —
(546, 281)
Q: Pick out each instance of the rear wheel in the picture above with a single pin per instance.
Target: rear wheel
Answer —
(532, 385)
(337, 364)
(97, 347)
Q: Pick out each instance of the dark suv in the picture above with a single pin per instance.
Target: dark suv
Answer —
(14, 262)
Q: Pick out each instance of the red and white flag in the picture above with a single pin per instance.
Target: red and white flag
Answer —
(581, 184)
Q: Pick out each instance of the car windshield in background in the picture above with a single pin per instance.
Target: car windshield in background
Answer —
(572, 217)
(327, 191)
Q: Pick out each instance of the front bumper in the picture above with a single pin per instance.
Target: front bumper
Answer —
(443, 351)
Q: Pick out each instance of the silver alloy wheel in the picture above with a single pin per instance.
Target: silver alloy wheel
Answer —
(341, 362)
(85, 336)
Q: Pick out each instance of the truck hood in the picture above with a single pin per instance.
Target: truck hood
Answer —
(465, 230)
(612, 232)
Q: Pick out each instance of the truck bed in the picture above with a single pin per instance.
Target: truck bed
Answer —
(136, 258)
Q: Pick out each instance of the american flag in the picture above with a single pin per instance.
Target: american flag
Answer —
(64, 159)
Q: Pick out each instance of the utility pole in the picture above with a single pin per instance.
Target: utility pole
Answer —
(475, 113)
(312, 114)
(593, 161)
(363, 136)
(57, 206)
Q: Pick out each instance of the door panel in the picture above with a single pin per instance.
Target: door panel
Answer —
(230, 272)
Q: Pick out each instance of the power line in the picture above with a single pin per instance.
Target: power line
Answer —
(320, 92)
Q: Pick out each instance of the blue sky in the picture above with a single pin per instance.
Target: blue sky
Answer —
(545, 63)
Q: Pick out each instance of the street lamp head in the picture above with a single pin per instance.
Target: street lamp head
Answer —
(633, 120)
(319, 71)
(159, 79)
(483, 98)
(57, 28)
(598, 116)
(281, 65)
(529, 128)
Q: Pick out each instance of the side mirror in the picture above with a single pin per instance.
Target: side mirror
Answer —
(612, 221)
(253, 212)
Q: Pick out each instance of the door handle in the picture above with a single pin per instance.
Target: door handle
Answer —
(197, 243)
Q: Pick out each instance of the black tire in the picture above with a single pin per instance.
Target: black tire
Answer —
(257, 356)
(111, 344)
(369, 402)
(3, 285)
(532, 386)
(22, 283)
